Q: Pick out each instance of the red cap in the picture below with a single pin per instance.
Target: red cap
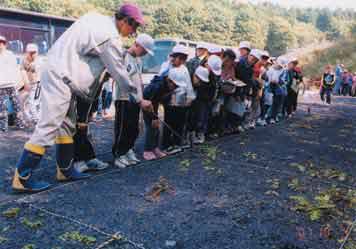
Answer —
(132, 11)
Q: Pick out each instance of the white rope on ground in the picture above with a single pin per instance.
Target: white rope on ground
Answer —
(118, 236)
(349, 229)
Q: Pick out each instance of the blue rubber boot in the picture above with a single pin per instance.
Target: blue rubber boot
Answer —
(64, 158)
(29, 160)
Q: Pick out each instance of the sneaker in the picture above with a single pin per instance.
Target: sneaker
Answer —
(149, 156)
(272, 121)
(121, 162)
(96, 165)
(200, 138)
(264, 123)
(173, 150)
(81, 166)
(289, 116)
(260, 122)
(131, 155)
(252, 125)
(240, 129)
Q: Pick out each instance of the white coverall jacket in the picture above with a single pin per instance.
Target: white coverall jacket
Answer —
(75, 62)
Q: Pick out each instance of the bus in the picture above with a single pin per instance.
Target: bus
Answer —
(163, 47)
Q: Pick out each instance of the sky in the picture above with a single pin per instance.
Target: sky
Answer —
(345, 4)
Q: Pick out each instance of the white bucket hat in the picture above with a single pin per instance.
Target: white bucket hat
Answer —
(177, 75)
(202, 73)
(255, 53)
(215, 64)
(180, 49)
(245, 44)
(3, 38)
(202, 45)
(32, 48)
(147, 42)
(214, 49)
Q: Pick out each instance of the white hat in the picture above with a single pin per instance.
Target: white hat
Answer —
(180, 49)
(282, 61)
(147, 42)
(215, 64)
(245, 44)
(214, 49)
(31, 48)
(202, 73)
(3, 38)
(255, 53)
(265, 53)
(177, 75)
(202, 45)
(292, 59)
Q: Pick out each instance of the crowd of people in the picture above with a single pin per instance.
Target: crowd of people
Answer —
(337, 82)
(217, 92)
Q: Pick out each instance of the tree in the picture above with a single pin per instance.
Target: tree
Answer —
(280, 37)
(323, 21)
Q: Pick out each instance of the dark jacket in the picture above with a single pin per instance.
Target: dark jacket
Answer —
(244, 72)
(157, 91)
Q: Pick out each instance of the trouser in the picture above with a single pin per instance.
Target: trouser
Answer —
(346, 90)
(264, 111)
(176, 118)
(255, 110)
(327, 92)
(57, 123)
(151, 133)
(337, 87)
(200, 116)
(106, 99)
(10, 94)
(291, 101)
(83, 147)
(32, 103)
(127, 118)
(276, 106)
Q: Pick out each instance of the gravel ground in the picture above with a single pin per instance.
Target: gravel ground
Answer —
(287, 186)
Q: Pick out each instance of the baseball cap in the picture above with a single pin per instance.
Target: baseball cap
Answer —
(202, 73)
(245, 44)
(177, 75)
(31, 48)
(133, 11)
(180, 49)
(147, 42)
(215, 64)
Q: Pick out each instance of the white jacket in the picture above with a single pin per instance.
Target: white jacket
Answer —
(80, 55)
(10, 75)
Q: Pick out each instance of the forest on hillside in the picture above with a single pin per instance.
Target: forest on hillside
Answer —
(225, 22)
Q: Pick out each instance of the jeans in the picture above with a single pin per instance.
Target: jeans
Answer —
(327, 92)
(151, 134)
(106, 100)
